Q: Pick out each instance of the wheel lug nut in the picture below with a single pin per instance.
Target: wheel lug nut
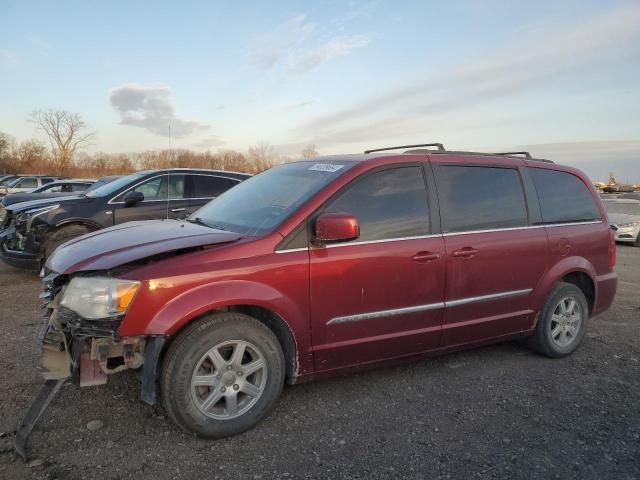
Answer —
(239, 374)
(229, 367)
(223, 389)
(236, 387)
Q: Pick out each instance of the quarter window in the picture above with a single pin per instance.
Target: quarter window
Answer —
(208, 186)
(563, 197)
(480, 198)
(388, 204)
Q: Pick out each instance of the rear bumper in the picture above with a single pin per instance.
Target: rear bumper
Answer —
(16, 258)
(606, 286)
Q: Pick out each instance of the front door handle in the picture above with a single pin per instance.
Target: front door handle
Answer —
(466, 252)
(421, 257)
(178, 209)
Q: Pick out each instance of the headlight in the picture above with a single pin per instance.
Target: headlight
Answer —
(99, 297)
(29, 215)
(628, 225)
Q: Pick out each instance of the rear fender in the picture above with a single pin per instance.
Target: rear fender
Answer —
(556, 273)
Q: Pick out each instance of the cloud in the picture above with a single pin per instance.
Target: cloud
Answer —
(152, 108)
(339, 47)
(531, 62)
(298, 47)
(208, 142)
(41, 46)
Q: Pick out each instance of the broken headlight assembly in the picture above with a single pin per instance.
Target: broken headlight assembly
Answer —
(95, 298)
(29, 215)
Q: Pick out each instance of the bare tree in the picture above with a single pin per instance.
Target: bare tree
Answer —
(309, 151)
(67, 132)
(262, 156)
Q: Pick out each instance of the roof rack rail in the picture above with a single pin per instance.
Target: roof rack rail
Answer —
(439, 146)
(511, 154)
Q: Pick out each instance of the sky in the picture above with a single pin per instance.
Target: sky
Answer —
(558, 78)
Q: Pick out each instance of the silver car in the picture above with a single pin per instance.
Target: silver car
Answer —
(624, 217)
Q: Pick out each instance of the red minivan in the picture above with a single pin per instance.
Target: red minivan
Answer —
(319, 266)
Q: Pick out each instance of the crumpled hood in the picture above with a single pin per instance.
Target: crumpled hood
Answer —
(621, 218)
(121, 244)
(45, 202)
(27, 197)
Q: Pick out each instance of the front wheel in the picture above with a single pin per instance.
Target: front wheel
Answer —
(222, 375)
(562, 323)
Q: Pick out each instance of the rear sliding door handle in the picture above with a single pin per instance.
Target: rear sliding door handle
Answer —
(466, 252)
(425, 256)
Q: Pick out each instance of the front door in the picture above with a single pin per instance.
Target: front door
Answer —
(164, 197)
(494, 259)
(379, 296)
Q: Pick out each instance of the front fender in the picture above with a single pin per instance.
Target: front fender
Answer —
(176, 313)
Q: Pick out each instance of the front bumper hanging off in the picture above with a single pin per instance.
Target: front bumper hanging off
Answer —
(85, 352)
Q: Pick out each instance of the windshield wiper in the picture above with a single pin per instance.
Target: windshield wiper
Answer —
(199, 221)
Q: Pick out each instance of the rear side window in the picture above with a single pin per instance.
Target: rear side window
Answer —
(388, 204)
(28, 183)
(563, 197)
(480, 198)
(208, 186)
(47, 180)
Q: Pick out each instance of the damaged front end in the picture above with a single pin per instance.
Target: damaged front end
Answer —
(84, 351)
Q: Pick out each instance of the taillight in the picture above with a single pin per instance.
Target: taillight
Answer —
(612, 249)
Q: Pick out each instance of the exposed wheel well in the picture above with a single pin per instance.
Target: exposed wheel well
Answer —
(584, 283)
(278, 326)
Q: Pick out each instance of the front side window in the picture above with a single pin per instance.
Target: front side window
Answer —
(160, 188)
(480, 198)
(563, 197)
(79, 187)
(209, 186)
(388, 204)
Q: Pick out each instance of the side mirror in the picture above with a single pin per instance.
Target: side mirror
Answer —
(132, 198)
(336, 227)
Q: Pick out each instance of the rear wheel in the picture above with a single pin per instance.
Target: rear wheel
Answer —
(63, 235)
(222, 375)
(562, 323)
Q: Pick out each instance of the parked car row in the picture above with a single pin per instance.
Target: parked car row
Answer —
(310, 269)
(15, 184)
(31, 230)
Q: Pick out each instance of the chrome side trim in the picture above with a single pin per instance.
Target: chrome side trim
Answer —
(292, 250)
(486, 298)
(528, 227)
(385, 240)
(112, 202)
(385, 313)
(431, 306)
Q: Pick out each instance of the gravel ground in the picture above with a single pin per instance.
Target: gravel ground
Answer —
(494, 412)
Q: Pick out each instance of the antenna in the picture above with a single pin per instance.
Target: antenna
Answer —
(169, 172)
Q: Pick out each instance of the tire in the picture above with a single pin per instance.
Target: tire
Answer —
(572, 326)
(63, 235)
(207, 410)
(637, 242)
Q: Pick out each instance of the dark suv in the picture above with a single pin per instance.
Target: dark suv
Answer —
(31, 231)
(317, 267)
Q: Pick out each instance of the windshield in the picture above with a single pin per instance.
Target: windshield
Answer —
(263, 202)
(618, 207)
(114, 186)
(13, 181)
(7, 181)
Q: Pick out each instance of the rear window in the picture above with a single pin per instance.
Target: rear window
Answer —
(480, 198)
(209, 186)
(563, 197)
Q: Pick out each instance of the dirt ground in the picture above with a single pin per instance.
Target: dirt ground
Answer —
(494, 412)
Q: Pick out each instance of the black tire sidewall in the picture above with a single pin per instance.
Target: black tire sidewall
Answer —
(63, 235)
(189, 348)
(543, 331)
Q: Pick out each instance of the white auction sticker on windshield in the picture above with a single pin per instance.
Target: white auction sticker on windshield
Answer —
(326, 167)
